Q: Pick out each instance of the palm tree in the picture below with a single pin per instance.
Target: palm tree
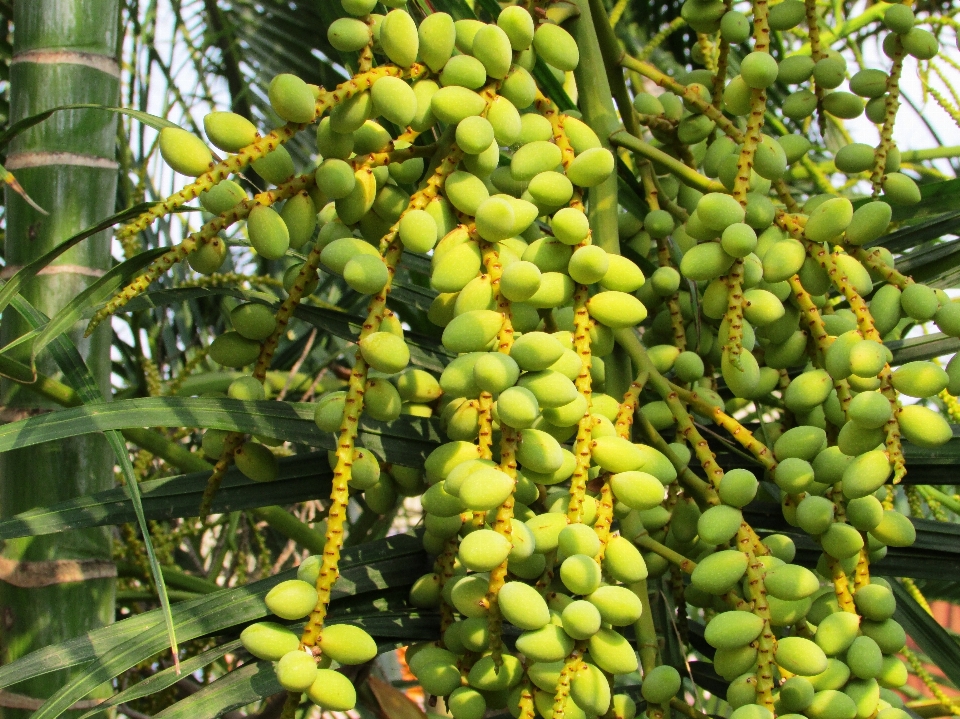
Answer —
(184, 58)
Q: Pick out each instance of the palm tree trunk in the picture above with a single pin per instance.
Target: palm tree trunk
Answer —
(64, 52)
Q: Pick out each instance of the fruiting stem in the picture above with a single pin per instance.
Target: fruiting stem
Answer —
(891, 105)
(734, 314)
(444, 568)
(712, 111)
(207, 233)
(841, 586)
(604, 517)
(872, 260)
(570, 667)
(391, 250)
(647, 542)
(736, 430)
(816, 54)
(628, 407)
(861, 577)
(581, 343)
(766, 643)
(684, 173)
(652, 195)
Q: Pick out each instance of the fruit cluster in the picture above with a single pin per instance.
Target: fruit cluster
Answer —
(555, 498)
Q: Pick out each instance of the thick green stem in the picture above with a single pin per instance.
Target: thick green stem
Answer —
(685, 174)
(64, 52)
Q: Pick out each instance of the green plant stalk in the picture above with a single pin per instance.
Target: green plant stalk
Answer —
(596, 103)
(845, 29)
(687, 175)
(59, 62)
(932, 153)
(171, 452)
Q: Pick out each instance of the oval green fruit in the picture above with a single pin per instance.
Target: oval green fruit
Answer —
(292, 599)
(184, 152)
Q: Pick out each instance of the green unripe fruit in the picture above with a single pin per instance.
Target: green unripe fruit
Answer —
(418, 231)
(865, 513)
(591, 167)
(612, 652)
(518, 407)
(348, 34)
(347, 644)
(795, 69)
(184, 152)
(804, 442)
(829, 220)
(590, 690)
(870, 221)
(517, 23)
(791, 582)
(616, 310)
(637, 490)
(770, 161)
(437, 35)
(222, 197)
(738, 240)
(899, 19)
(395, 100)
(866, 474)
(919, 379)
(719, 572)
(733, 629)
(800, 656)
(292, 99)
(580, 574)
(799, 105)
(844, 105)
(519, 88)
(231, 349)
(718, 211)
(786, 15)
(539, 452)
(399, 38)
(296, 671)
(831, 704)
(841, 541)
(269, 640)
(381, 400)
(495, 372)
(759, 70)
(483, 550)
(256, 462)
(705, 262)
(875, 602)
(464, 702)
(660, 684)
(486, 489)
(487, 676)
(366, 274)
(864, 658)
(292, 599)
(253, 321)
(948, 319)
(899, 189)
(472, 331)
(855, 157)
(734, 27)
(836, 632)
(924, 427)
(523, 606)
(920, 43)
(275, 168)
(332, 691)
(453, 104)
(268, 232)
(492, 47)
(794, 146)
(246, 389)
(617, 605)
(718, 524)
(888, 634)
(588, 265)
(919, 302)
(815, 514)
(556, 47)
(738, 487)
(807, 390)
(229, 131)
(385, 352)
(533, 158)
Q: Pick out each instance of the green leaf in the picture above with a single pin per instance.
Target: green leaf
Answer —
(68, 358)
(166, 678)
(98, 292)
(13, 285)
(157, 123)
(922, 348)
(916, 234)
(425, 352)
(393, 563)
(928, 634)
(406, 440)
(301, 477)
(246, 685)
